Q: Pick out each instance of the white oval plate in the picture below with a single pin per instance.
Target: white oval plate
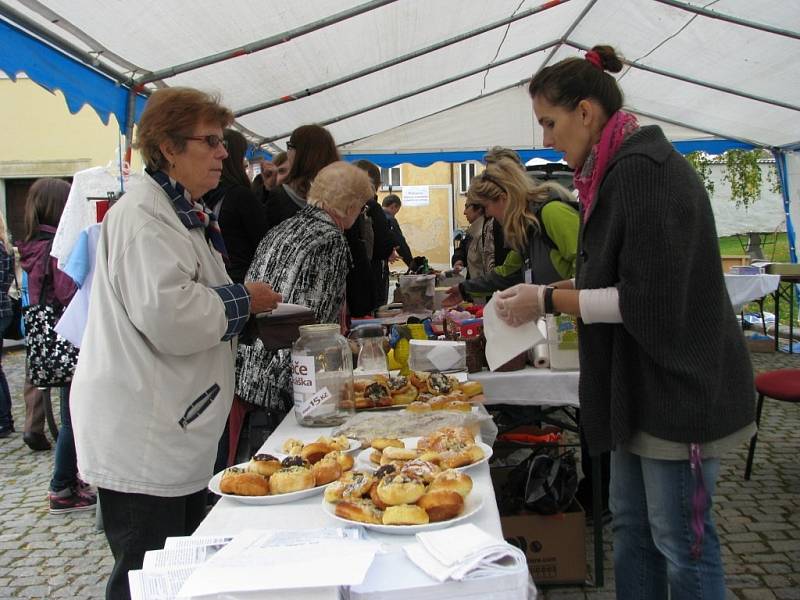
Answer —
(277, 451)
(213, 485)
(363, 461)
(472, 504)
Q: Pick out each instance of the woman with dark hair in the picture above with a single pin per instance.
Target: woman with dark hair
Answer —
(242, 218)
(49, 285)
(309, 149)
(666, 381)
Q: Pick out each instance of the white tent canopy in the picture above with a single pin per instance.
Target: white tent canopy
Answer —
(735, 75)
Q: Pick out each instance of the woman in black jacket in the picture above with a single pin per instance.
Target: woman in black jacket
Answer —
(242, 218)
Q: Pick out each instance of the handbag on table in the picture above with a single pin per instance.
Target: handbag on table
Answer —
(50, 359)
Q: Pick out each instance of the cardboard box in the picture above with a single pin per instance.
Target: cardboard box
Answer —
(554, 544)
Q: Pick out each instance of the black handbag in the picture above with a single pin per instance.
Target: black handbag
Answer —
(50, 359)
(15, 330)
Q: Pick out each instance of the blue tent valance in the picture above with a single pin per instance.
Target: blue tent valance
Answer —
(53, 70)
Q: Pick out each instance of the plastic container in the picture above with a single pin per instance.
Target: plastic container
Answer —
(322, 376)
(371, 355)
(562, 343)
(418, 292)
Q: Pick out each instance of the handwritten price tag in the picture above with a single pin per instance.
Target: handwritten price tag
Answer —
(317, 400)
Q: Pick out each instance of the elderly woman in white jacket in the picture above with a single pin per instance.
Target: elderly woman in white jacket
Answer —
(154, 380)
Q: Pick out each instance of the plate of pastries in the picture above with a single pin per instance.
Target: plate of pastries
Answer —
(267, 479)
(419, 391)
(319, 447)
(446, 448)
(402, 500)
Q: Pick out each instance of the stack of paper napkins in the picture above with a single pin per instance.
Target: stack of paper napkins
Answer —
(463, 552)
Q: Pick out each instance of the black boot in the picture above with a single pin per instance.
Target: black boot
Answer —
(36, 441)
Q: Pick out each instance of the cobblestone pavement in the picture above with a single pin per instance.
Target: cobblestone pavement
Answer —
(64, 556)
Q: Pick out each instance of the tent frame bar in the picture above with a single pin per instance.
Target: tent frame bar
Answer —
(398, 60)
(422, 90)
(698, 10)
(263, 44)
(690, 126)
(26, 23)
(706, 84)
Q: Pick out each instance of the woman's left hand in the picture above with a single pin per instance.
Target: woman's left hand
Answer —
(520, 304)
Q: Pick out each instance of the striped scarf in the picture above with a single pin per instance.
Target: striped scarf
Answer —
(192, 214)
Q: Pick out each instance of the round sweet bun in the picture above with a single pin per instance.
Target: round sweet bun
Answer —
(292, 446)
(340, 442)
(362, 402)
(442, 505)
(423, 469)
(391, 454)
(452, 480)
(385, 470)
(314, 451)
(383, 443)
(243, 483)
(263, 464)
(326, 471)
(452, 459)
(459, 405)
(361, 510)
(292, 479)
(471, 388)
(400, 488)
(439, 383)
(419, 379)
(405, 514)
(373, 495)
(356, 484)
(345, 460)
(419, 406)
(359, 385)
(375, 457)
(295, 461)
(475, 454)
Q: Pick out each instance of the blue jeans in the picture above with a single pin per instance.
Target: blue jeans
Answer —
(6, 420)
(65, 470)
(651, 501)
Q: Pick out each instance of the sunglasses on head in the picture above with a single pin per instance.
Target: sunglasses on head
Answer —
(212, 140)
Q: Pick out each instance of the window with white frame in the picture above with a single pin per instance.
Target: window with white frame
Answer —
(390, 177)
(466, 171)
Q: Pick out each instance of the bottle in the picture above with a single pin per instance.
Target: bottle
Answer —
(322, 376)
(371, 355)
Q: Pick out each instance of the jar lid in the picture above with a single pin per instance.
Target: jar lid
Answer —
(367, 331)
(318, 328)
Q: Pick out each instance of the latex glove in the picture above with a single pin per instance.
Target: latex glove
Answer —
(262, 297)
(520, 304)
(453, 297)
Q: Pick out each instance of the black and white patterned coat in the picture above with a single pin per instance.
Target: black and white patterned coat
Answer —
(306, 259)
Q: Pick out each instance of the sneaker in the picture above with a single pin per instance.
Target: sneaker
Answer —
(85, 490)
(67, 501)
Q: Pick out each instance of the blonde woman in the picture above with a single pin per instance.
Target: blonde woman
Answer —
(306, 259)
(6, 314)
(540, 226)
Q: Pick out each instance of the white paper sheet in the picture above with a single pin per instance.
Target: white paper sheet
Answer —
(267, 560)
(504, 342)
(159, 585)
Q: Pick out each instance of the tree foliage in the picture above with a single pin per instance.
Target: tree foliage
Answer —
(702, 164)
(742, 172)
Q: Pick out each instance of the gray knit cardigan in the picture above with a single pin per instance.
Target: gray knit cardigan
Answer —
(677, 367)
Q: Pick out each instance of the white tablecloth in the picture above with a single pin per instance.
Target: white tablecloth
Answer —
(391, 573)
(529, 387)
(746, 288)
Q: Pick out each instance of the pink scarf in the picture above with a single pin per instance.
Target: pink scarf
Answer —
(588, 177)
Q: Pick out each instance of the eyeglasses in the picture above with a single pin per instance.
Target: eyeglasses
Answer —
(290, 145)
(212, 140)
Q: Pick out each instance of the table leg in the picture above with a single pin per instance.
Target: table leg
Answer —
(791, 318)
(777, 315)
(597, 511)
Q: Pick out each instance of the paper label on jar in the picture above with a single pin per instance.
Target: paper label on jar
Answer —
(308, 405)
(304, 375)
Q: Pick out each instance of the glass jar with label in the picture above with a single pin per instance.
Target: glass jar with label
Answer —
(322, 376)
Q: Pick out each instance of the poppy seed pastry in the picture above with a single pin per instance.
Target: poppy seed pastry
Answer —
(263, 464)
(400, 488)
(291, 479)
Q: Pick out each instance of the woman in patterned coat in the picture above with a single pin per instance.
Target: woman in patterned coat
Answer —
(306, 259)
